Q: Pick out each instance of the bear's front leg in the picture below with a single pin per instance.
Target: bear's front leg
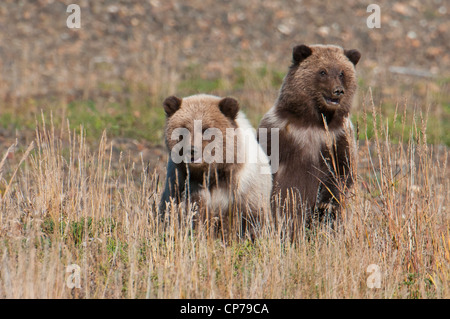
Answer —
(174, 187)
(336, 183)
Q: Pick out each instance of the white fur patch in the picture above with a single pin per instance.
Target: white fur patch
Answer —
(217, 200)
(311, 139)
(253, 179)
(254, 154)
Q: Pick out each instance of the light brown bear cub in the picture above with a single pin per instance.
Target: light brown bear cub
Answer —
(316, 140)
(215, 161)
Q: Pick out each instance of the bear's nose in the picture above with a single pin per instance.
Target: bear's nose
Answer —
(196, 155)
(339, 90)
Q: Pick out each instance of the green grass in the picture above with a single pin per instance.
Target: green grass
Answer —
(124, 120)
(437, 127)
(134, 113)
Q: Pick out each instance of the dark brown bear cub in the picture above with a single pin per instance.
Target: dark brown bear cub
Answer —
(316, 142)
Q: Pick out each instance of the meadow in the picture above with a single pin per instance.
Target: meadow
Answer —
(66, 201)
(82, 171)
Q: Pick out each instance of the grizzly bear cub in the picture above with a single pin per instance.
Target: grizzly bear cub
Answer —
(316, 142)
(215, 162)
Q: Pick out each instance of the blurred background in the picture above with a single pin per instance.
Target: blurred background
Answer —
(66, 199)
(114, 72)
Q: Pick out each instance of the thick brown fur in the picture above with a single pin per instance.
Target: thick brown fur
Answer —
(315, 133)
(214, 113)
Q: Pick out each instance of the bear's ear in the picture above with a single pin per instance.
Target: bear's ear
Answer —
(229, 107)
(300, 52)
(171, 105)
(353, 55)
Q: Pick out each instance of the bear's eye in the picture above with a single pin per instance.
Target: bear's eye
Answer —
(341, 75)
(323, 73)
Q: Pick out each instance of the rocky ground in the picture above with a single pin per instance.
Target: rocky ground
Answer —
(122, 40)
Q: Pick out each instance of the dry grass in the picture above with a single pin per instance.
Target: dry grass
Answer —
(63, 203)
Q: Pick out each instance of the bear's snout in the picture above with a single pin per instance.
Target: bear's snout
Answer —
(196, 155)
